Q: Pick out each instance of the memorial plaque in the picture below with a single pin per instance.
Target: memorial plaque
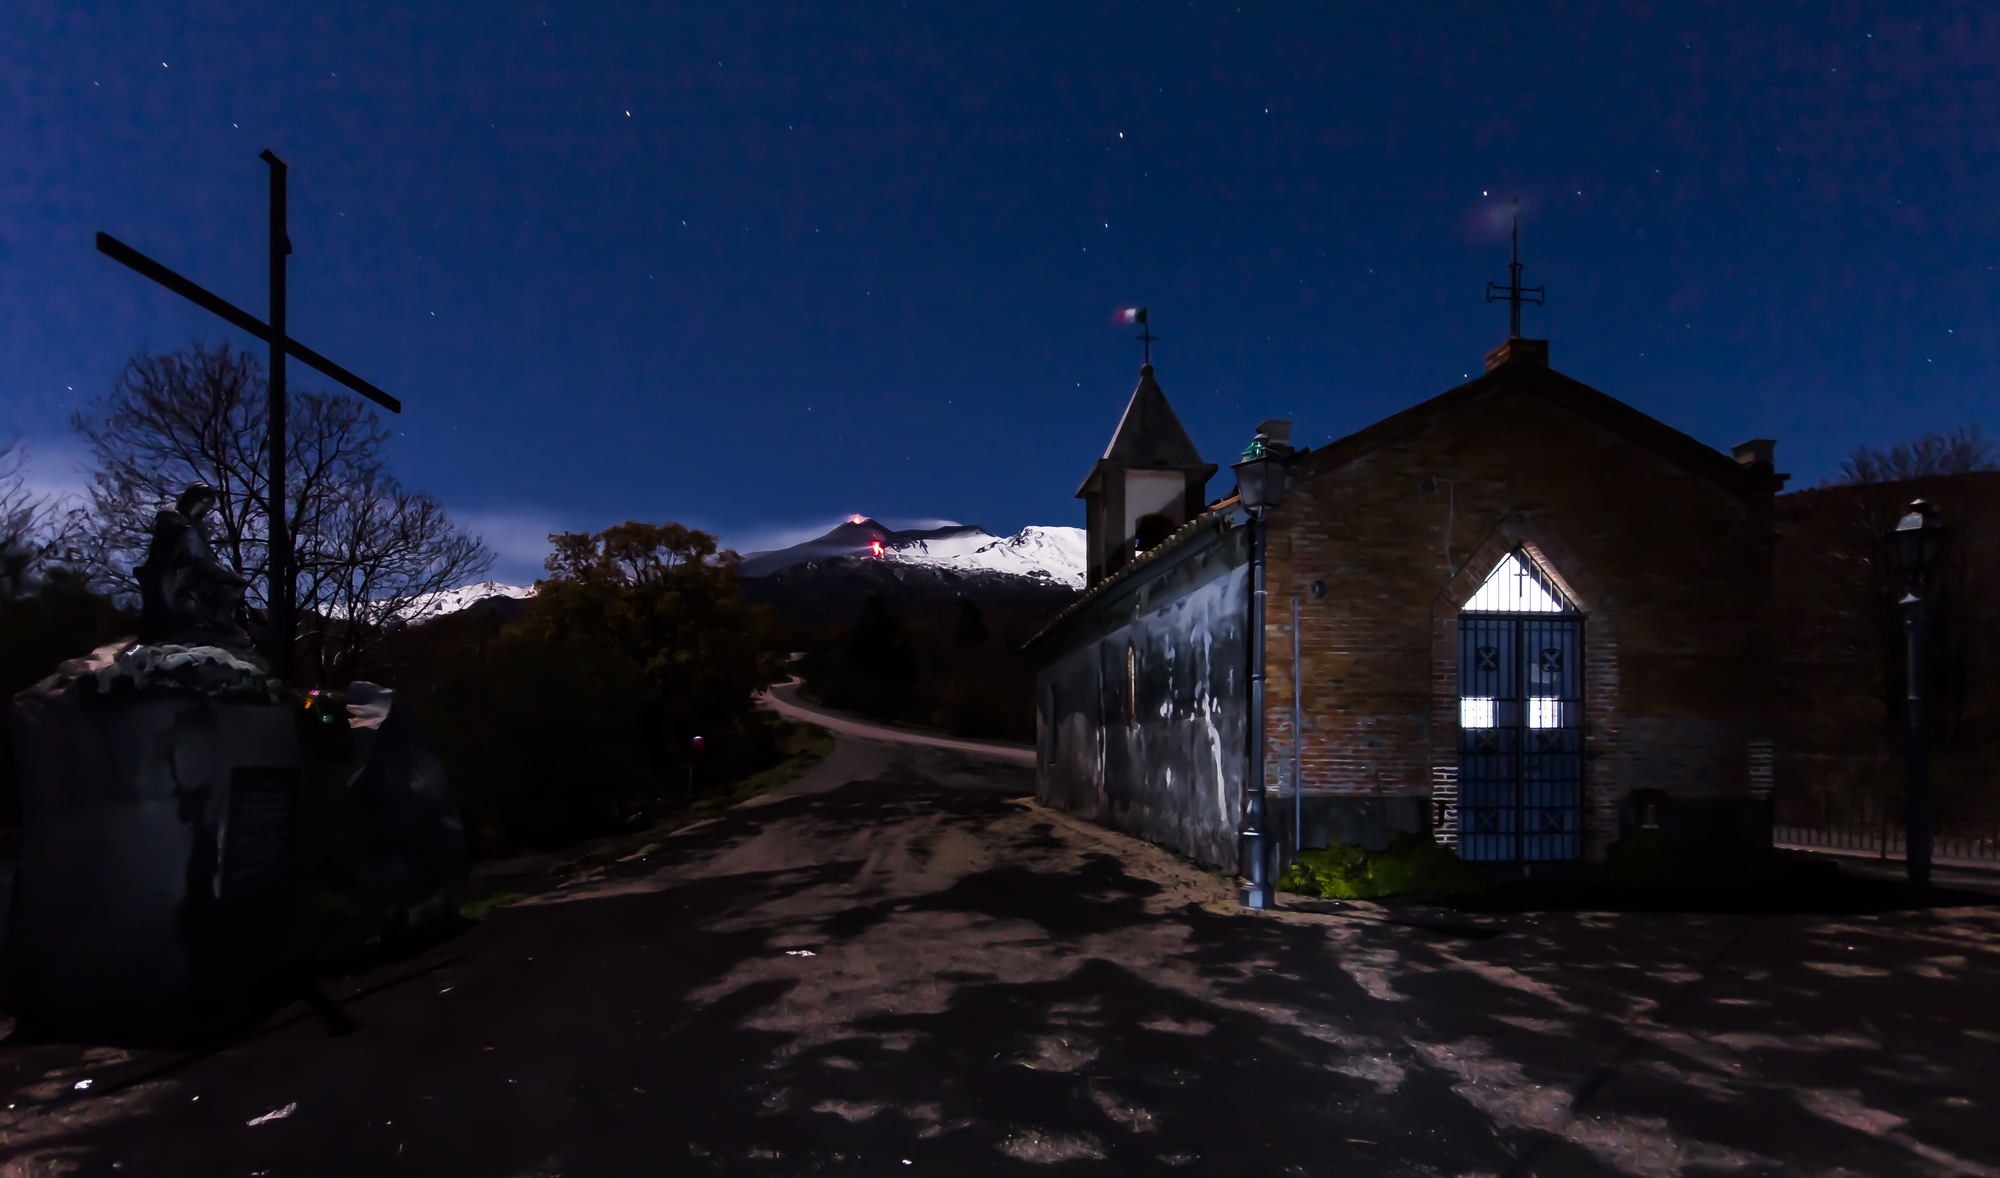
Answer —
(257, 843)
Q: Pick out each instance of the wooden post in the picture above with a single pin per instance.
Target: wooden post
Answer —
(278, 597)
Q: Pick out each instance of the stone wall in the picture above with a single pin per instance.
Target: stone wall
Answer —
(1143, 694)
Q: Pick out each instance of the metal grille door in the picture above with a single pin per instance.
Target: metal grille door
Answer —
(1520, 763)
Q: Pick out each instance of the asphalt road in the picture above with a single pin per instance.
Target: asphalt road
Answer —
(784, 699)
(900, 965)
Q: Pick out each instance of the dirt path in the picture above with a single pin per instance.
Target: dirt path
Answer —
(899, 964)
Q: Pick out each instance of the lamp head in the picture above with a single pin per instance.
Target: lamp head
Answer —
(1917, 541)
(1260, 477)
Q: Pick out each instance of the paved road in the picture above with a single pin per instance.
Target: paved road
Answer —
(899, 965)
(784, 699)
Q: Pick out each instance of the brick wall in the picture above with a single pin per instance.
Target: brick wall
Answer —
(1669, 566)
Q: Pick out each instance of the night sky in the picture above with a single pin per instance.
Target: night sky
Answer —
(754, 267)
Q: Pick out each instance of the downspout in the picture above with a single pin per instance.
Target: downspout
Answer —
(1298, 714)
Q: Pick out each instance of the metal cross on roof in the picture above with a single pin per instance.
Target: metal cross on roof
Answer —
(278, 596)
(1514, 292)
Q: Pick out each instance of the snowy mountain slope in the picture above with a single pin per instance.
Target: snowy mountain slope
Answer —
(956, 559)
(453, 600)
(957, 542)
(1048, 554)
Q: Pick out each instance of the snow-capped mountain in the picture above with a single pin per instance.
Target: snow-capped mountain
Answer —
(1055, 555)
(465, 596)
(826, 579)
(1052, 556)
(833, 572)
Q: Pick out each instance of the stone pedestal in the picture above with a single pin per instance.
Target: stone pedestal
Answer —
(158, 818)
(189, 826)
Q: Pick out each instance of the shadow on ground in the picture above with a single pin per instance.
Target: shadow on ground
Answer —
(919, 971)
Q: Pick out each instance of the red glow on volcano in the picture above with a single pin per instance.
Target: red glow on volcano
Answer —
(875, 547)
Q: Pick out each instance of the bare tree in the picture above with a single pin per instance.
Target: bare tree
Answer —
(378, 555)
(22, 516)
(37, 534)
(366, 551)
(1960, 451)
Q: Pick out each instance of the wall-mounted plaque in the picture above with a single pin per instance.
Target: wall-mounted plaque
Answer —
(257, 842)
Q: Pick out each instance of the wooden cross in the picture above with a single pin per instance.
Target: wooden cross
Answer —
(278, 597)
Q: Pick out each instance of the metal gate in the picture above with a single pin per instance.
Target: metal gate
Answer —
(1520, 762)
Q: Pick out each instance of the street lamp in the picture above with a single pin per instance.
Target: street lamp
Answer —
(1915, 543)
(1260, 484)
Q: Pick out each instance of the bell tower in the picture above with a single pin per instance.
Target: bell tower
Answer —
(1150, 481)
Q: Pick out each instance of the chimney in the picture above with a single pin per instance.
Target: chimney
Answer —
(1277, 435)
(1532, 352)
(1762, 452)
(1755, 451)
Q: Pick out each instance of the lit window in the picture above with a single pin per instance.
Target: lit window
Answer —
(1514, 587)
(1475, 712)
(1544, 713)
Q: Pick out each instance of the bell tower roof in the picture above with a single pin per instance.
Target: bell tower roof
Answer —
(1148, 437)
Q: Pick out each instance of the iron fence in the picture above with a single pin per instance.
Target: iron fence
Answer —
(1856, 805)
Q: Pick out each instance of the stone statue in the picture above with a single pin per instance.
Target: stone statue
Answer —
(187, 597)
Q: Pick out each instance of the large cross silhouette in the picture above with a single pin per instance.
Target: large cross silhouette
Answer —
(278, 597)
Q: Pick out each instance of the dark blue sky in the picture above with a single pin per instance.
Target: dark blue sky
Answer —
(864, 257)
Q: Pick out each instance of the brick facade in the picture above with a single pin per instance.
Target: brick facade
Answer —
(1664, 546)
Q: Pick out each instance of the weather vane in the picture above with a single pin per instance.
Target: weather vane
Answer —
(1514, 292)
(1138, 315)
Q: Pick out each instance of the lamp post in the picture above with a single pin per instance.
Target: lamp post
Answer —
(1260, 484)
(1915, 543)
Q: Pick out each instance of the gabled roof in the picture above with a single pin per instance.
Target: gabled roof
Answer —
(1539, 380)
(1149, 436)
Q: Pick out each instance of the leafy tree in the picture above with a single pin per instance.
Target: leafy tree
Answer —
(970, 629)
(664, 596)
(874, 647)
(575, 720)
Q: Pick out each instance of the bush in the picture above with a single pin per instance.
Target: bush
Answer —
(871, 670)
(1643, 859)
(1413, 864)
(546, 743)
(948, 665)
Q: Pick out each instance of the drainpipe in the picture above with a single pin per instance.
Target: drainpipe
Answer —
(1298, 719)
(1255, 889)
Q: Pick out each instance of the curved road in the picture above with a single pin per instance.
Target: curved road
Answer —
(899, 965)
(784, 700)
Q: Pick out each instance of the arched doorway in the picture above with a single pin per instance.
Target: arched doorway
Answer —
(1520, 719)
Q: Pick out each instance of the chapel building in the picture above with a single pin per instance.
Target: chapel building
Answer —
(1518, 603)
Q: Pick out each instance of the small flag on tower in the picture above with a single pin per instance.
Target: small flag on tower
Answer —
(1132, 315)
